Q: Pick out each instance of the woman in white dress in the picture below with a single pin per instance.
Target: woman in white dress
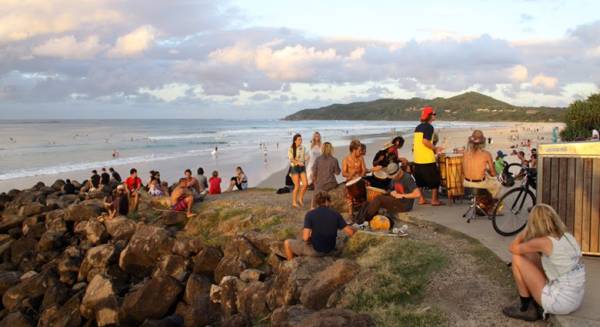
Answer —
(547, 267)
(313, 154)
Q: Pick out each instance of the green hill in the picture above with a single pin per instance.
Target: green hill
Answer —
(470, 106)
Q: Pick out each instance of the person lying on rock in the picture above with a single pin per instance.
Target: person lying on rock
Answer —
(182, 198)
(547, 267)
(320, 230)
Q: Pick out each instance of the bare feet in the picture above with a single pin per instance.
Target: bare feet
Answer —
(294, 205)
(438, 203)
(424, 202)
(190, 215)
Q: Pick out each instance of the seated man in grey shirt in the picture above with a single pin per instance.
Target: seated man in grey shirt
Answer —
(325, 169)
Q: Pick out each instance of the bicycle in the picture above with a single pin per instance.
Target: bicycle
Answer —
(519, 200)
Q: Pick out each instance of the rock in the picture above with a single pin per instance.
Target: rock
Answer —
(49, 241)
(58, 184)
(240, 247)
(229, 287)
(96, 261)
(100, 302)
(120, 228)
(229, 266)
(145, 247)
(317, 291)
(67, 315)
(56, 294)
(261, 241)
(170, 321)
(55, 214)
(237, 320)
(22, 248)
(215, 293)
(187, 246)
(207, 261)
(197, 314)
(83, 210)
(28, 275)
(8, 279)
(273, 262)
(8, 222)
(31, 289)
(197, 287)
(252, 275)
(34, 230)
(172, 265)
(69, 265)
(251, 300)
(289, 316)
(152, 300)
(292, 276)
(34, 208)
(94, 231)
(16, 319)
(171, 218)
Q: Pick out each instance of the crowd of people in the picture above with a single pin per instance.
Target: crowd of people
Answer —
(546, 261)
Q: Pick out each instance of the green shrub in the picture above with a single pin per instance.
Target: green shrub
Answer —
(582, 116)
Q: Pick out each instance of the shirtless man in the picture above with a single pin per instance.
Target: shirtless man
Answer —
(478, 163)
(193, 184)
(353, 166)
(182, 198)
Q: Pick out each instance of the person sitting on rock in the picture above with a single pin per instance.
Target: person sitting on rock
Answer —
(118, 202)
(182, 198)
(134, 185)
(68, 188)
(94, 181)
(319, 235)
(115, 175)
(402, 190)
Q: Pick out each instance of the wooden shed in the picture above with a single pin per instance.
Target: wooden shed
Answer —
(569, 181)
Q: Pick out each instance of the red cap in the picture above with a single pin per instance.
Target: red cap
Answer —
(427, 111)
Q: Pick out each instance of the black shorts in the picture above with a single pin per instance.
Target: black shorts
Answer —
(427, 175)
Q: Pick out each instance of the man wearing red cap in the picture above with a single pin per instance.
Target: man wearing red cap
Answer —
(426, 172)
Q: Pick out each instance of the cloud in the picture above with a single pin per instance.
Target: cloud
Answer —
(68, 47)
(134, 43)
(518, 73)
(546, 82)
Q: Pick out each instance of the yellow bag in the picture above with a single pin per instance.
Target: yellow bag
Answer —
(380, 223)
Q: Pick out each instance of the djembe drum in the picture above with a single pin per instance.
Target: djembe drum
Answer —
(454, 176)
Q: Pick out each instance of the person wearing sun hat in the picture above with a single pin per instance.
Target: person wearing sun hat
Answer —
(500, 163)
(478, 166)
(426, 172)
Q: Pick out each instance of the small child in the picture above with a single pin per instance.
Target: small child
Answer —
(215, 183)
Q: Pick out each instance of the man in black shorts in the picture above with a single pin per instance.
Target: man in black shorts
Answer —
(426, 172)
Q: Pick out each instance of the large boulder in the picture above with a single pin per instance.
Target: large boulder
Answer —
(93, 230)
(261, 241)
(172, 265)
(145, 247)
(317, 291)
(242, 248)
(83, 210)
(251, 300)
(152, 300)
(207, 260)
(292, 277)
(96, 261)
(9, 221)
(170, 321)
(16, 319)
(31, 209)
(120, 228)
(69, 265)
(229, 266)
(229, 288)
(196, 288)
(32, 289)
(8, 279)
(195, 309)
(186, 246)
(22, 248)
(297, 315)
(100, 302)
(66, 315)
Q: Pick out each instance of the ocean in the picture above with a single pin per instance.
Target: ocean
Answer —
(45, 150)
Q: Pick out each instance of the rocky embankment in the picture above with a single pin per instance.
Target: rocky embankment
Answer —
(62, 263)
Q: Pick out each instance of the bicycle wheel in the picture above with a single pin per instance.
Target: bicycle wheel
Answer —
(511, 212)
(514, 169)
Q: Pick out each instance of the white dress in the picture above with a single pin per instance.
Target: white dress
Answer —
(313, 153)
(566, 276)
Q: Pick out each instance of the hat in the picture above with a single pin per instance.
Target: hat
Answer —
(387, 145)
(477, 137)
(388, 172)
(426, 112)
(500, 154)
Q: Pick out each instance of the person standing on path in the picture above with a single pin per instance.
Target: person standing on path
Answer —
(426, 172)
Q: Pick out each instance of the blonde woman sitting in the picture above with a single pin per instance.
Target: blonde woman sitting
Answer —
(547, 267)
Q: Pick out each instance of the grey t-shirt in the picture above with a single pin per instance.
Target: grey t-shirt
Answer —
(404, 185)
(324, 170)
(202, 181)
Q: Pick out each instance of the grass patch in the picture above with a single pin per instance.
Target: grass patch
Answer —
(395, 277)
(360, 243)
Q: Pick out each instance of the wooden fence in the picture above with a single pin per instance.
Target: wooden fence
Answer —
(569, 181)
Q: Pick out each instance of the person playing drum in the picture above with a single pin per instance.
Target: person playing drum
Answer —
(478, 164)
(353, 166)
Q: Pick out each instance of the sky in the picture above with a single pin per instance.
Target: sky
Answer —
(264, 59)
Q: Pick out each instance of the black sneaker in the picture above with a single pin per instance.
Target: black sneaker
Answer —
(514, 311)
